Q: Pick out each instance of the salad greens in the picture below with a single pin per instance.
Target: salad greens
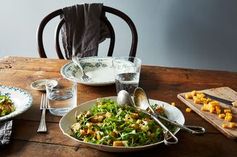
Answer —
(109, 124)
(6, 105)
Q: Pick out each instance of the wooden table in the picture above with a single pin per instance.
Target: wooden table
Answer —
(160, 83)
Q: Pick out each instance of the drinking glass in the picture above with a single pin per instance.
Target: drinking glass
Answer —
(127, 73)
(61, 97)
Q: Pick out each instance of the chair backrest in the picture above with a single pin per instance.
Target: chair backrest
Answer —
(105, 10)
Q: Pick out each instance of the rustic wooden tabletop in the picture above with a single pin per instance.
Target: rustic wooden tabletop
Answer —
(160, 83)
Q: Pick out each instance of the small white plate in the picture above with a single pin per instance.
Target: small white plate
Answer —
(40, 84)
(67, 120)
(22, 100)
(100, 70)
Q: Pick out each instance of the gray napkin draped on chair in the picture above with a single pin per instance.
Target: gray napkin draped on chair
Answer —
(83, 29)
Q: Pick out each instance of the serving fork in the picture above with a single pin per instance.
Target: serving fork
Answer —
(43, 107)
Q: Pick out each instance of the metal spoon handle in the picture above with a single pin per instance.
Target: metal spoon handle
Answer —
(77, 62)
(168, 140)
(169, 137)
(197, 130)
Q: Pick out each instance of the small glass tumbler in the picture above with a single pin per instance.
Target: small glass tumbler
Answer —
(61, 97)
(127, 73)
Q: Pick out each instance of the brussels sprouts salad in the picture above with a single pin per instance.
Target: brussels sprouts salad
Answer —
(107, 123)
(6, 105)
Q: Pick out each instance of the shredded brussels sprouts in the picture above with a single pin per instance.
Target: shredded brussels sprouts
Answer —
(6, 105)
(109, 124)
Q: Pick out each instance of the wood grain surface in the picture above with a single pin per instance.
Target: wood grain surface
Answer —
(161, 83)
(222, 92)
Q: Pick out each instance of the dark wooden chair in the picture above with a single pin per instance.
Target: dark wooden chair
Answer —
(105, 10)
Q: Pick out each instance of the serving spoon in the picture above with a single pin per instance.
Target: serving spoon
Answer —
(141, 101)
(124, 98)
(84, 77)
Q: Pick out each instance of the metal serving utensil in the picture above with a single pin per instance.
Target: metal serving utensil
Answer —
(84, 77)
(75, 60)
(141, 101)
(124, 98)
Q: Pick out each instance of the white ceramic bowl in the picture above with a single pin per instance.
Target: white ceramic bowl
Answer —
(67, 120)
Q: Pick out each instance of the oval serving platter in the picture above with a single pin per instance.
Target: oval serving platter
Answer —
(67, 120)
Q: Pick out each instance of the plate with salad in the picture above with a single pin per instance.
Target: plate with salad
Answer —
(13, 101)
(104, 125)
